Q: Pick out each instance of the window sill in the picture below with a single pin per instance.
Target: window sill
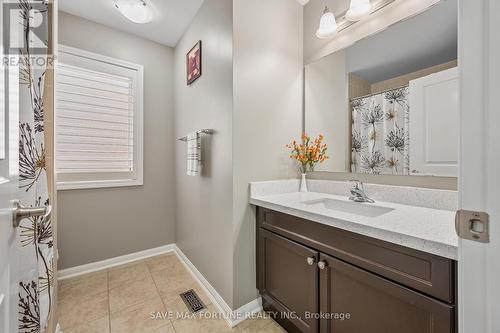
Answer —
(77, 185)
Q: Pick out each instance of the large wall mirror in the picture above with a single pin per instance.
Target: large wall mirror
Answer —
(389, 104)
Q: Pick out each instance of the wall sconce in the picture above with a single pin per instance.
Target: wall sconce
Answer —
(327, 25)
(358, 9)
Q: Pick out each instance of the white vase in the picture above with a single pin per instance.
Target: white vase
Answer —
(303, 183)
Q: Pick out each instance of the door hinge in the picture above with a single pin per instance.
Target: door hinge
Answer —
(472, 225)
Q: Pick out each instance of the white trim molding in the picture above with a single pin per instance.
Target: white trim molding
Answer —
(112, 262)
(232, 317)
(214, 296)
(71, 57)
(479, 267)
(241, 314)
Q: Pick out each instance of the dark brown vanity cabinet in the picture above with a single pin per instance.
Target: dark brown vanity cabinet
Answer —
(348, 283)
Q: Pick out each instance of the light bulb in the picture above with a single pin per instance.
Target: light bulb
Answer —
(327, 25)
(358, 9)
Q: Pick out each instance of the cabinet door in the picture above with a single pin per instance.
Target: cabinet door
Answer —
(288, 280)
(358, 301)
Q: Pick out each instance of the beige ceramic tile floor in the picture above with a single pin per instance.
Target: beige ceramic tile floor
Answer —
(125, 299)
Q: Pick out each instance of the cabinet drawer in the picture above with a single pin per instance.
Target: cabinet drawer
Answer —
(430, 274)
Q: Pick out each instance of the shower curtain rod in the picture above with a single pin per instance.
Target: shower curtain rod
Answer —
(380, 92)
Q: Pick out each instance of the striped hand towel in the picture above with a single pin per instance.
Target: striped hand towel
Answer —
(193, 154)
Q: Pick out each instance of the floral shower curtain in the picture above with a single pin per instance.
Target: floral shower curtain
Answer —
(35, 238)
(380, 138)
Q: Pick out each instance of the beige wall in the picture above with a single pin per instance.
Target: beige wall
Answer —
(261, 73)
(327, 105)
(215, 226)
(204, 204)
(96, 224)
(267, 114)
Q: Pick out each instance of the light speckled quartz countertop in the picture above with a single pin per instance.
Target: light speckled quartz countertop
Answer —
(426, 229)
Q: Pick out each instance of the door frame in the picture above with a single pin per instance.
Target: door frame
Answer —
(479, 181)
(50, 97)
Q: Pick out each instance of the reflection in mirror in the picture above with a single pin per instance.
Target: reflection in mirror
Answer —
(388, 104)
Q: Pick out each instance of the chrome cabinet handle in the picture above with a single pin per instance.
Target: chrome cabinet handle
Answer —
(322, 264)
(21, 212)
(311, 261)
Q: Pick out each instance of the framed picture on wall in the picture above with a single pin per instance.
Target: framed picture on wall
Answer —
(193, 63)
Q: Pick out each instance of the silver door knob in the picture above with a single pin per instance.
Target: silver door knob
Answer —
(322, 264)
(311, 261)
(21, 212)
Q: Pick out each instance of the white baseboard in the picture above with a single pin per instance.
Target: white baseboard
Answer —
(233, 318)
(112, 262)
(214, 296)
(247, 310)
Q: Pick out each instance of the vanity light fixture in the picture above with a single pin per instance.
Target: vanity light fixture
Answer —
(137, 11)
(330, 25)
(327, 25)
(358, 9)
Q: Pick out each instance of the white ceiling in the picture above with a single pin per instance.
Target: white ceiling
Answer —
(171, 17)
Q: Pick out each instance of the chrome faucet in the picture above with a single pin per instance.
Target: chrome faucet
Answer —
(358, 192)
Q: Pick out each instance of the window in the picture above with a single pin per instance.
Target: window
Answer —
(98, 125)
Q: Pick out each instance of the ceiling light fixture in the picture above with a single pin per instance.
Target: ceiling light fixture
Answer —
(327, 25)
(358, 9)
(137, 11)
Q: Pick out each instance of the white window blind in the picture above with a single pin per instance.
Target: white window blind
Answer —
(97, 106)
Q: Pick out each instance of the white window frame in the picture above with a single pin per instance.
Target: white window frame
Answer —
(138, 180)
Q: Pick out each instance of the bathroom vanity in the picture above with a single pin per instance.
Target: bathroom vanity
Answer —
(327, 264)
(386, 104)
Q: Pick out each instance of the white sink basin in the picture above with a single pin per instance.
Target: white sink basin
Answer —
(357, 208)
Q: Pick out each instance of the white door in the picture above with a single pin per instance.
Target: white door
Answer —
(9, 151)
(479, 178)
(9, 167)
(433, 108)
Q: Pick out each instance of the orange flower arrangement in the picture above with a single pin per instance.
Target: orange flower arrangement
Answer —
(309, 152)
